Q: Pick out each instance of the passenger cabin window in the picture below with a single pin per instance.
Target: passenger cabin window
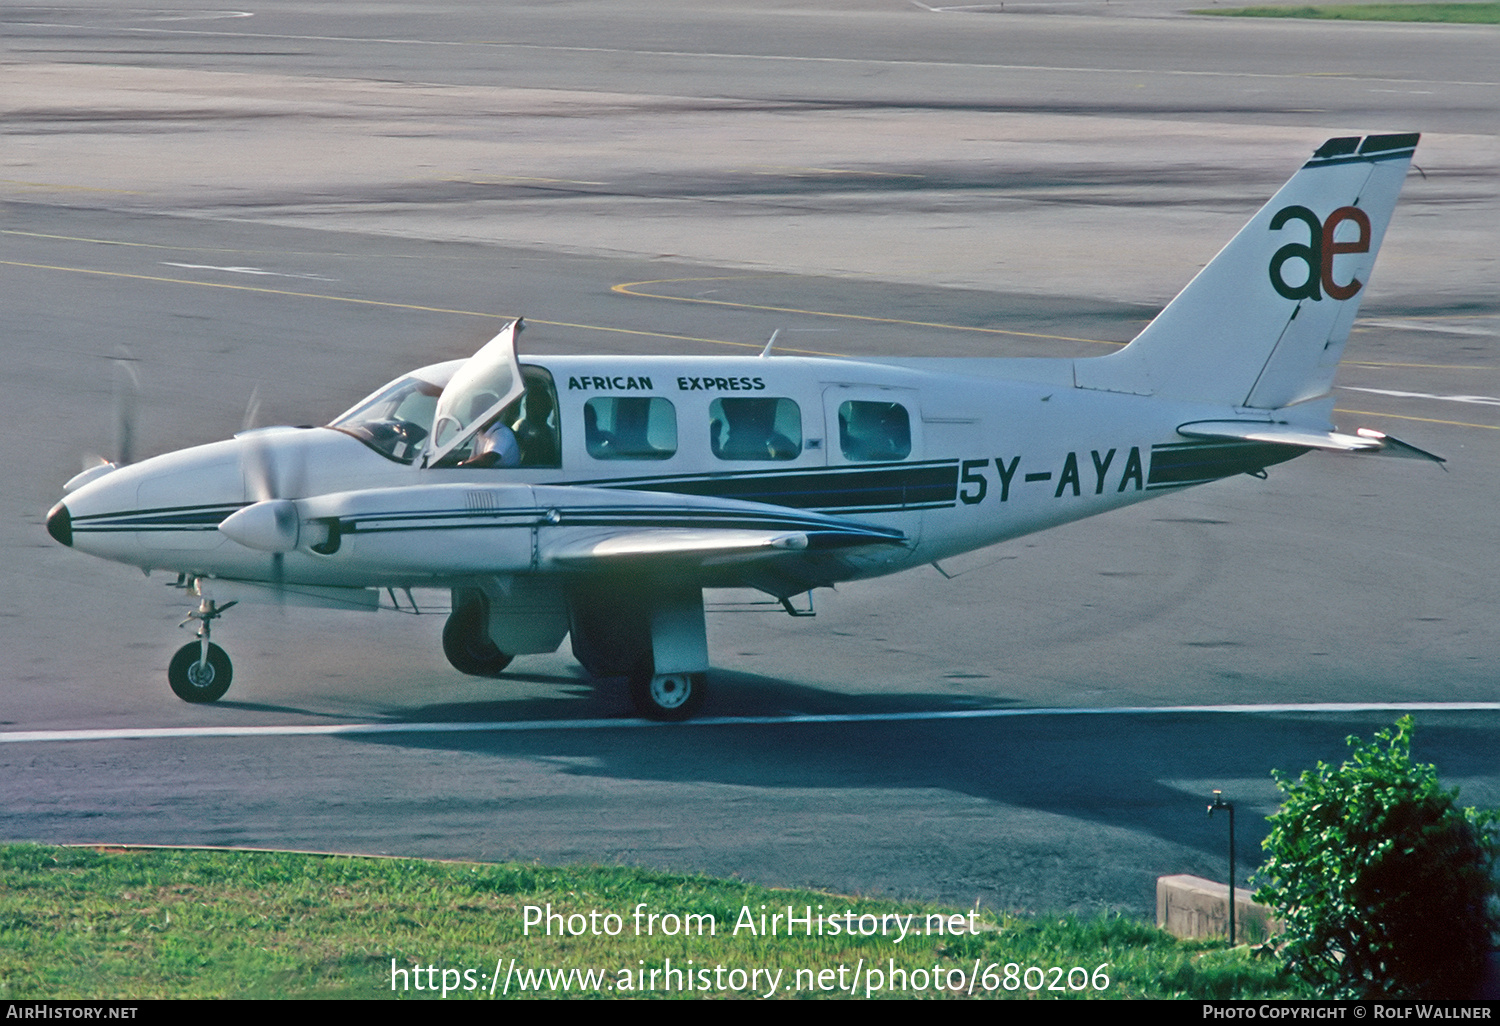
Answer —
(630, 428)
(755, 429)
(870, 432)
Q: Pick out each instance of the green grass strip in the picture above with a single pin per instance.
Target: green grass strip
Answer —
(85, 923)
(1458, 14)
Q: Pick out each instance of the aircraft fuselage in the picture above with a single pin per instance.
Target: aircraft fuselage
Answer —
(988, 451)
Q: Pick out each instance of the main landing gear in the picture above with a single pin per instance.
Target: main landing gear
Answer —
(466, 637)
(654, 642)
(200, 671)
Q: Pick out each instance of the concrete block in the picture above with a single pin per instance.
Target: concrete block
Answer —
(1192, 907)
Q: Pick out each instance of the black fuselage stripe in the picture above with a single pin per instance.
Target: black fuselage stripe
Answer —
(656, 519)
(822, 490)
(834, 490)
(1195, 464)
(174, 514)
(765, 475)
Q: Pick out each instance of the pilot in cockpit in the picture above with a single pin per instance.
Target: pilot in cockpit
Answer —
(495, 446)
(535, 435)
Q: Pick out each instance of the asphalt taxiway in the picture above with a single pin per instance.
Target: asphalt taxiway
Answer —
(280, 207)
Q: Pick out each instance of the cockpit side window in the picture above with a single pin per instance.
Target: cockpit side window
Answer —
(536, 425)
(523, 434)
(762, 428)
(394, 421)
(872, 431)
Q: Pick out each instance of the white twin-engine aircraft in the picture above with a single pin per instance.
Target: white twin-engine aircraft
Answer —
(598, 497)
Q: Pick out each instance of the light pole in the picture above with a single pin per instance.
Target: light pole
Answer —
(1220, 803)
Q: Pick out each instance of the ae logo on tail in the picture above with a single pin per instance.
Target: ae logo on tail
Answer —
(1318, 253)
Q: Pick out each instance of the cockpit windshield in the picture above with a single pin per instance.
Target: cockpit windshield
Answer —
(396, 420)
(435, 415)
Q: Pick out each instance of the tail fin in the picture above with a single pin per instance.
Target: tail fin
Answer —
(1264, 324)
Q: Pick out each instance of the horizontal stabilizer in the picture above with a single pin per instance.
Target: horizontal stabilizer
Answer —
(1278, 434)
(1395, 447)
(1364, 440)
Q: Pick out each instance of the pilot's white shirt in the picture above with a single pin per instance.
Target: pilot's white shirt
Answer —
(499, 439)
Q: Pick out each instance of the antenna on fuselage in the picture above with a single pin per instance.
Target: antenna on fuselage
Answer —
(766, 352)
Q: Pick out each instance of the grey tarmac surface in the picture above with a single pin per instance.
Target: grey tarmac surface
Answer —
(300, 208)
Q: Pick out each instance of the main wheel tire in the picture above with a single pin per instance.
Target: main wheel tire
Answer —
(195, 681)
(467, 644)
(610, 632)
(666, 696)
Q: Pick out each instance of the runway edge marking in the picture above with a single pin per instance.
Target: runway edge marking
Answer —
(337, 729)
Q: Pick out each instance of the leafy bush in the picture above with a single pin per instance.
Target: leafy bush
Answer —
(1386, 887)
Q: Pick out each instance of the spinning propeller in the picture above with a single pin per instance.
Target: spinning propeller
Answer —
(125, 389)
(274, 480)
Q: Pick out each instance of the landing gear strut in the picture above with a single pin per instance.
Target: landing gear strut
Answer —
(200, 671)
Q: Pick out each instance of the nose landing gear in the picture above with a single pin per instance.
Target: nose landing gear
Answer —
(200, 671)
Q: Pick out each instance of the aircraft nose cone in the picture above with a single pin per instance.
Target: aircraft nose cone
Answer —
(60, 524)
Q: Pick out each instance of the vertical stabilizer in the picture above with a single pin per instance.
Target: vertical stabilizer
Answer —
(1264, 324)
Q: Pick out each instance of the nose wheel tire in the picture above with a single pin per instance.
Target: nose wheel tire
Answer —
(194, 680)
(667, 696)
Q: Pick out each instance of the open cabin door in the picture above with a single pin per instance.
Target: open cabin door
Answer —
(488, 382)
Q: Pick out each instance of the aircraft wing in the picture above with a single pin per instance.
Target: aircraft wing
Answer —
(702, 546)
(609, 530)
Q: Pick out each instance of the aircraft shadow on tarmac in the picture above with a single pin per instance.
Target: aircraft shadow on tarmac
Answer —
(1132, 772)
(267, 707)
(731, 694)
